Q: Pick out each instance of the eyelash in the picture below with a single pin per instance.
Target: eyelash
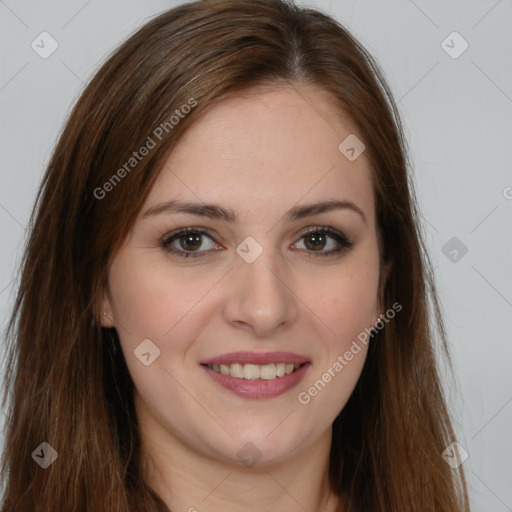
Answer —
(344, 243)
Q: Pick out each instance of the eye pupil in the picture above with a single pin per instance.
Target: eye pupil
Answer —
(192, 239)
(317, 241)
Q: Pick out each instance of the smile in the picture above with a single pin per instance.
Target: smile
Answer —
(257, 375)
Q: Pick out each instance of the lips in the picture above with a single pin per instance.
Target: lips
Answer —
(257, 375)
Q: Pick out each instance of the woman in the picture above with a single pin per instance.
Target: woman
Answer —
(233, 281)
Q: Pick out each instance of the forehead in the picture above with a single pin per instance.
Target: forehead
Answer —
(264, 150)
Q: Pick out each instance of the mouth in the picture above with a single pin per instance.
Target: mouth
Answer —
(256, 375)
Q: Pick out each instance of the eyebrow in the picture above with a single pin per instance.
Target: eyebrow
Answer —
(214, 211)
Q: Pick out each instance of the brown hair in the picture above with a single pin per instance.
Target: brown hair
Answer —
(67, 382)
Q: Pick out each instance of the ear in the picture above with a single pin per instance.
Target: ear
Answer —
(105, 314)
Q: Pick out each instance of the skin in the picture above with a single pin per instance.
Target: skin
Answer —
(260, 154)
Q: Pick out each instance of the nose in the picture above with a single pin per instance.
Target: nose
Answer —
(260, 296)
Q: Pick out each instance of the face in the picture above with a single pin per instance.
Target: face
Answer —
(238, 330)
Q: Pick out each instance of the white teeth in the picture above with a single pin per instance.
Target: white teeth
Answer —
(251, 371)
(255, 371)
(237, 370)
(268, 371)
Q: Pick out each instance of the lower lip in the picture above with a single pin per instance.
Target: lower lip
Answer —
(259, 388)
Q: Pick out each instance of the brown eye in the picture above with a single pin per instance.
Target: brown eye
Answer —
(186, 243)
(320, 238)
(190, 241)
(315, 241)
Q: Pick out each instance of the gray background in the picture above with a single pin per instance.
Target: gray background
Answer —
(458, 120)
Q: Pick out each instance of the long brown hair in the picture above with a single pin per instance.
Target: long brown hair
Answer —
(67, 383)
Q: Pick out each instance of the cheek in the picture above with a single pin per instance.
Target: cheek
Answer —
(347, 307)
(158, 302)
(346, 300)
(151, 300)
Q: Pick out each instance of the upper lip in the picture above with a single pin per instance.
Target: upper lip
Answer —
(259, 358)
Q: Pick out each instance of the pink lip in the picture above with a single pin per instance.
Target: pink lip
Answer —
(258, 388)
(257, 358)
